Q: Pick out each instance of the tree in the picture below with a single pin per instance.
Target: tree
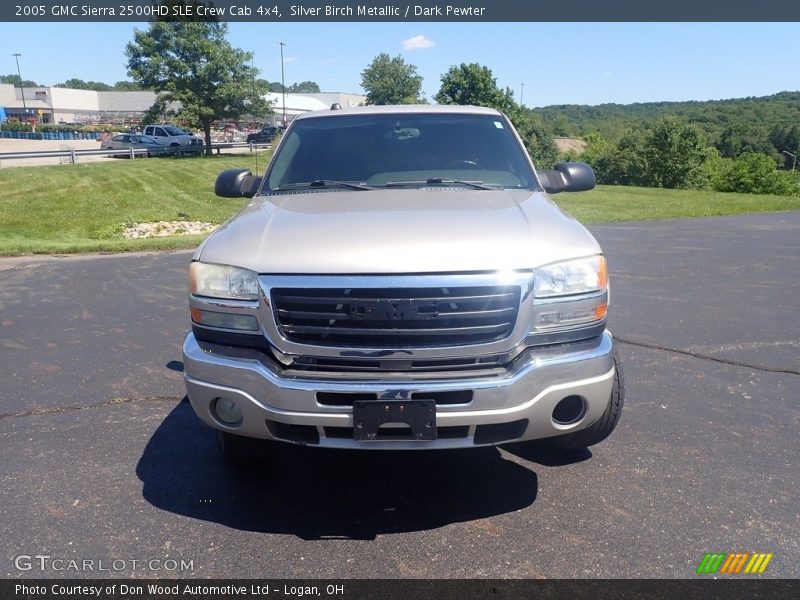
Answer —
(192, 63)
(674, 153)
(304, 87)
(390, 80)
(537, 139)
(80, 84)
(127, 86)
(754, 173)
(273, 86)
(14, 80)
(624, 164)
(473, 84)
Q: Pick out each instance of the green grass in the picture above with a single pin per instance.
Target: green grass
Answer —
(613, 203)
(83, 208)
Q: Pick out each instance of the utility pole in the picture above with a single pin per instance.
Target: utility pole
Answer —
(16, 56)
(794, 158)
(521, 93)
(283, 86)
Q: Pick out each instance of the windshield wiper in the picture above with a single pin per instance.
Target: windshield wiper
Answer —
(478, 185)
(323, 183)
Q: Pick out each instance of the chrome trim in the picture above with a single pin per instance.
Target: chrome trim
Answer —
(242, 368)
(522, 279)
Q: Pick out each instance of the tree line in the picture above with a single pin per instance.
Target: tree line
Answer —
(768, 125)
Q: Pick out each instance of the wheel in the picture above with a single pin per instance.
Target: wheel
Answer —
(239, 450)
(600, 430)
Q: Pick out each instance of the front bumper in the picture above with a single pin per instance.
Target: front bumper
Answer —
(514, 403)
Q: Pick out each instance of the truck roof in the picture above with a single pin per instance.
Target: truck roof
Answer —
(401, 109)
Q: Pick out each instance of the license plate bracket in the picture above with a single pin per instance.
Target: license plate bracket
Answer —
(369, 415)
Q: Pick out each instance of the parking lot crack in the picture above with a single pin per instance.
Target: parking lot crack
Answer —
(63, 409)
(724, 361)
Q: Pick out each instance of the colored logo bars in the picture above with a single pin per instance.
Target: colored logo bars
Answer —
(732, 564)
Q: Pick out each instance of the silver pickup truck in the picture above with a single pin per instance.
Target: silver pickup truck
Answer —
(400, 280)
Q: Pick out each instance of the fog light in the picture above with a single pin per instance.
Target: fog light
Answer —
(569, 410)
(227, 411)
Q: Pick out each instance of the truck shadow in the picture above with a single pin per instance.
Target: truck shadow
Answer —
(326, 494)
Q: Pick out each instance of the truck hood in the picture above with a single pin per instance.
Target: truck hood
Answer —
(397, 231)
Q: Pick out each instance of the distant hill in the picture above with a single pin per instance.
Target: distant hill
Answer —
(738, 123)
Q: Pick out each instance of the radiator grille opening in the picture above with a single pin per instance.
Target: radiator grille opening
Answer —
(404, 317)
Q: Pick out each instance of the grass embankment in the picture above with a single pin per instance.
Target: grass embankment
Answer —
(613, 203)
(83, 208)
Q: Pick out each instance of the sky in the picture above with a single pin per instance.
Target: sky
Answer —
(558, 63)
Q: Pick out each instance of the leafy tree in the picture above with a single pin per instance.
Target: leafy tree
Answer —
(624, 164)
(193, 64)
(390, 80)
(273, 86)
(14, 80)
(674, 152)
(304, 87)
(739, 138)
(127, 86)
(80, 84)
(473, 84)
(786, 138)
(537, 139)
(754, 173)
(597, 148)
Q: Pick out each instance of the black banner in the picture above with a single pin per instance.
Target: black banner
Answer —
(414, 589)
(266, 11)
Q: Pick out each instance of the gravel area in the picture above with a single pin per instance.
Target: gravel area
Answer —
(165, 228)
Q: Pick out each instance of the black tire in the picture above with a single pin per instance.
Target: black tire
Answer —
(238, 450)
(600, 430)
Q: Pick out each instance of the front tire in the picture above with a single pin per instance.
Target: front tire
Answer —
(596, 433)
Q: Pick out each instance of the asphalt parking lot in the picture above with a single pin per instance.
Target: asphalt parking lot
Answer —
(104, 460)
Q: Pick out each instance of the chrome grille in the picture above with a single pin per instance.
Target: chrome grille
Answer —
(405, 317)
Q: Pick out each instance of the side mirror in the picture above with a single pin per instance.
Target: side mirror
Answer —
(236, 183)
(568, 177)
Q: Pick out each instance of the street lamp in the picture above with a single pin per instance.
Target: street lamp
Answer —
(794, 158)
(283, 85)
(16, 56)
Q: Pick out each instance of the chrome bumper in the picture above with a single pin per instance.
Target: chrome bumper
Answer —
(527, 390)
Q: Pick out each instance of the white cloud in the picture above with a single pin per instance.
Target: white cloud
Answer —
(418, 42)
(327, 62)
(289, 60)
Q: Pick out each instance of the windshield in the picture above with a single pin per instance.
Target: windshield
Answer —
(401, 150)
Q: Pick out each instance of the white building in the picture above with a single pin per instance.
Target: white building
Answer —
(66, 105)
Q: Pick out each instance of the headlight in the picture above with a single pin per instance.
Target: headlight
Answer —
(222, 281)
(570, 294)
(571, 277)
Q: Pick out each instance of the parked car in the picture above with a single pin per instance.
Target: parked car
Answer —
(175, 138)
(418, 290)
(126, 141)
(264, 136)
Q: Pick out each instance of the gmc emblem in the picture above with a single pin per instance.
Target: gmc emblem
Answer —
(389, 309)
